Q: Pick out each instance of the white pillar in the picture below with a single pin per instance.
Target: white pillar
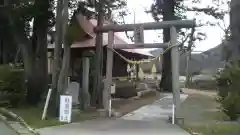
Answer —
(69, 81)
(187, 68)
(46, 104)
(175, 70)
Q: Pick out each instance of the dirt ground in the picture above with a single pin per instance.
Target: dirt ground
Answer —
(208, 93)
(121, 106)
(125, 106)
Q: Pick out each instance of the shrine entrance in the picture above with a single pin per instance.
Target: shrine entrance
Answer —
(138, 30)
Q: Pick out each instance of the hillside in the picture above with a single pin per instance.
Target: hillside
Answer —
(208, 61)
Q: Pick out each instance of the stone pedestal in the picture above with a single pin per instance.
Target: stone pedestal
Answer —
(178, 120)
(104, 113)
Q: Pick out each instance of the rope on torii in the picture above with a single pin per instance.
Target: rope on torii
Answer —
(170, 46)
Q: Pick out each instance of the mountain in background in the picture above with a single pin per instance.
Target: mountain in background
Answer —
(207, 62)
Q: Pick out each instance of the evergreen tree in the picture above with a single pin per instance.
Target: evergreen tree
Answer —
(163, 10)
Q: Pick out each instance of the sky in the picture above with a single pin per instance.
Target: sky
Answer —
(214, 33)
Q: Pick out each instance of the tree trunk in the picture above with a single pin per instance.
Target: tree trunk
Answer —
(166, 80)
(34, 54)
(28, 60)
(137, 71)
(54, 103)
(187, 69)
(235, 19)
(35, 88)
(97, 89)
(63, 76)
(235, 27)
(27, 56)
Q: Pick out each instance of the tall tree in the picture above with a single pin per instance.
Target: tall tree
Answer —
(54, 101)
(231, 40)
(66, 36)
(8, 48)
(103, 11)
(39, 51)
(164, 9)
(32, 41)
(235, 20)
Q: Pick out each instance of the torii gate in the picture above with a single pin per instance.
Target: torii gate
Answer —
(110, 29)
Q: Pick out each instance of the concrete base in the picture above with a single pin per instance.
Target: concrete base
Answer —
(105, 113)
(178, 120)
(102, 113)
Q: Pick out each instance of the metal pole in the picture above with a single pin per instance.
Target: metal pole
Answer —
(109, 66)
(187, 69)
(173, 114)
(175, 70)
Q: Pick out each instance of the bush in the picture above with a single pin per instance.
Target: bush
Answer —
(228, 82)
(12, 86)
(125, 89)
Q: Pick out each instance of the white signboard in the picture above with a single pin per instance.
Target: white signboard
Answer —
(65, 108)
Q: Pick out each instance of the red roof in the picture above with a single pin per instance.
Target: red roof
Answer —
(88, 26)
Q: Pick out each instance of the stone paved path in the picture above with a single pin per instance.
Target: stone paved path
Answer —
(5, 130)
(15, 129)
(150, 119)
(160, 109)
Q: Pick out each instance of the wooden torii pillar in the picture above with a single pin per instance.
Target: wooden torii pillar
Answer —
(110, 29)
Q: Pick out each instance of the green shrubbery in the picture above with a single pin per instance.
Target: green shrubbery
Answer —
(228, 82)
(12, 89)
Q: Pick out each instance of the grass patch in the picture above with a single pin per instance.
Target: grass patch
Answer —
(215, 115)
(32, 116)
(202, 115)
(214, 129)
